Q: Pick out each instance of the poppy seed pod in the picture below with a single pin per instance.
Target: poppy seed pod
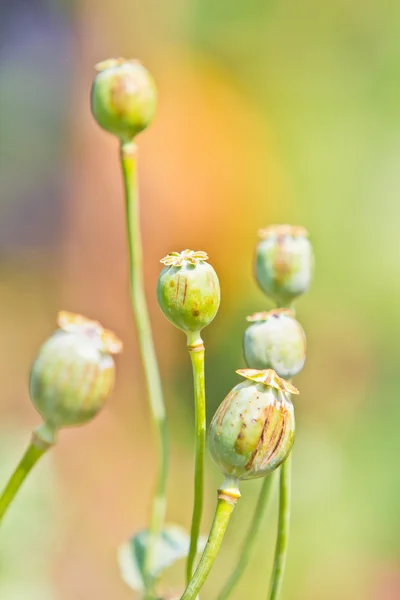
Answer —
(275, 340)
(123, 97)
(188, 290)
(252, 431)
(284, 262)
(74, 372)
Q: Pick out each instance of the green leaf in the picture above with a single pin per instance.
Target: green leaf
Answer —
(173, 545)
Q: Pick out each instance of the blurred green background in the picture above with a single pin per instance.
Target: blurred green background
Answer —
(270, 111)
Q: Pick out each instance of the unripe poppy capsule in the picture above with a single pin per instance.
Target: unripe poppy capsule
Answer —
(284, 262)
(74, 372)
(252, 431)
(188, 290)
(275, 340)
(123, 97)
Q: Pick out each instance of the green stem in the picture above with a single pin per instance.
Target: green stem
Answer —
(282, 539)
(196, 351)
(250, 539)
(147, 351)
(227, 498)
(35, 450)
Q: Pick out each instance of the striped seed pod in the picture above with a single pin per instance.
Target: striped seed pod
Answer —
(275, 340)
(74, 372)
(284, 262)
(252, 431)
(188, 290)
(123, 98)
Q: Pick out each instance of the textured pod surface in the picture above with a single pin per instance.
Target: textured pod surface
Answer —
(275, 340)
(123, 97)
(284, 262)
(252, 431)
(74, 372)
(188, 290)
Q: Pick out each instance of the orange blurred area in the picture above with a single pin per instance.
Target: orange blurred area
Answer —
(268, 113)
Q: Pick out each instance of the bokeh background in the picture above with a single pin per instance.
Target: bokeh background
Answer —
(269, 111)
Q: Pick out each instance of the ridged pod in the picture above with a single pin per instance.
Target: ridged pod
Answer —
(284, 262)
(252, 431)
(188, 290)
(123, 97)
(275, 340)
(74, 372)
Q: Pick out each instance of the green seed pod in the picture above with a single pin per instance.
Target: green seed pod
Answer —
(188, 290)
(284, 262)
(123, 97)
(74, 372)
(275, 340)
(252, 431)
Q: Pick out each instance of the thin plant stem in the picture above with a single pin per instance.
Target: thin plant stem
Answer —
(196, 351)
(250, 539)
(282, 538)
(227, 498)
(148, 355)
(35, 450)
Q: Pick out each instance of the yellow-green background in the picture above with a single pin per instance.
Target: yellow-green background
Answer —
(269, 111)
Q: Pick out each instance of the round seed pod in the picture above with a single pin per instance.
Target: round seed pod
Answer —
(74, 372)
(123, 98)
(188, 290)
(252, 431)
(275, 340)
(284, 262)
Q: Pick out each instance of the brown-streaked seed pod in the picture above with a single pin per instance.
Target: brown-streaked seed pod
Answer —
(252, 431)
(275, 340)
(74, 372)
(188, 290)
(123, 98)
(284, 262)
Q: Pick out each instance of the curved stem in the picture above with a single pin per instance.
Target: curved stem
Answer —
(147, 351)
(227, 498)
(282, 538)
(35, 450)
(250, 539)
(196, 351)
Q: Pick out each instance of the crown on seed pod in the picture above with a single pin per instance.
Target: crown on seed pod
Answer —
(284, 262)
(74, 372)
(275, 340)
(123, 98)
(252, 431)
(188, 290)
